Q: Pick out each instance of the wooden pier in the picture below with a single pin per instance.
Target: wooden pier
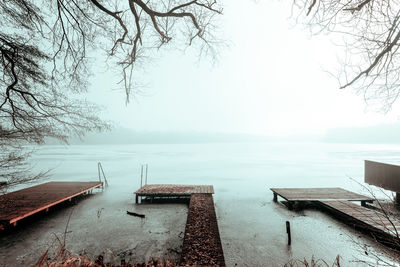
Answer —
(202, 243)
(23, 203)
(372, 219)
(340, 203)
(296, 195)
(172, 190)
(380, 226)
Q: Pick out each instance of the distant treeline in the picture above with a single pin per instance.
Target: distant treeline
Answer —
(381, 134)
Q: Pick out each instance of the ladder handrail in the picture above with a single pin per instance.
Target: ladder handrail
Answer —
(147, 167)
(141, 176)
(143, 168)
(100, 168)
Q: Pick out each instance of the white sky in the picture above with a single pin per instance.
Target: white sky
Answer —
(269, 81)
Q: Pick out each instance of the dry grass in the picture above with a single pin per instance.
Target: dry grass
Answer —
(65, 258)
(313, 263)
(62, 257)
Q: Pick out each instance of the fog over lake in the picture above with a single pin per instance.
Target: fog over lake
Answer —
(251, 225)
(264, 111)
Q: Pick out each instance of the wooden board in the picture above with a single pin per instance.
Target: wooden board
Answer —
(23, 203)
(174, 189)
(314, 194)
(386, 176)
(370, 219)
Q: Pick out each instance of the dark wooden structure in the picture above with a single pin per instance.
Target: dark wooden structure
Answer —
(372, 220)
(295, 195)
(23, 203)
(381, 226)
(340, 203)
(386, 176)
(202, 243)
(172, 190)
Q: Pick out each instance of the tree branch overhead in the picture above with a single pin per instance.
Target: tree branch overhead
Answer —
(371, 34)
(44, 60)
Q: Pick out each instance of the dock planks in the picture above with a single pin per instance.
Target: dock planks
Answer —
(174, 189)
(368, 219)
(202, 243)
(318, 194)
(26, 202)
(339, 202)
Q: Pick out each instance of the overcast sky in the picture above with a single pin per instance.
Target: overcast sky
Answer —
(270, 80)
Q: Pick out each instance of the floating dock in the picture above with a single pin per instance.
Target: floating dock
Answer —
(23, 203)
(202, 243)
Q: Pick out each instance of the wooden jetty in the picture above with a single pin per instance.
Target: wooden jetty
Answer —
(172, 190)
(372, 219)
(295, 195)
(26, 202)
(380, 226)
(340, 203)
(202, 243)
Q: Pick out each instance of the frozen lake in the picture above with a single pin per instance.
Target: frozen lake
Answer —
(251, 225)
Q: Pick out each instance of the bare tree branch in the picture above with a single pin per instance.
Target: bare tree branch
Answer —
(44, 62)
(371, 33)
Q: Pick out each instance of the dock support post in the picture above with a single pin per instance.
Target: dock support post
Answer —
(397, 200)
(290, 205)
(137, 198)
(288, 233)
(275, 197)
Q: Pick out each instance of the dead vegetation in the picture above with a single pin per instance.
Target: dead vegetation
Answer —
(313, 263)
(62, 257)
(202, 244)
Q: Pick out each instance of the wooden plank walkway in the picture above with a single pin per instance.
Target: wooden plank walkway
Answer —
(339, 202)
(172, 190)
(176, 189)
(202, 243)
(318, 194)
(26, 202)
(368, 219)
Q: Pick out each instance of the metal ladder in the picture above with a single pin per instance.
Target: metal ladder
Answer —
(101, 171)
(143, 167)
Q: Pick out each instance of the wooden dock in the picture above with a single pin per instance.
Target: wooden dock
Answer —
(26, 202)
(340, 203)
(295, 195)
(372, 219)
(172, 190)
(375, 223)
(202, 243)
